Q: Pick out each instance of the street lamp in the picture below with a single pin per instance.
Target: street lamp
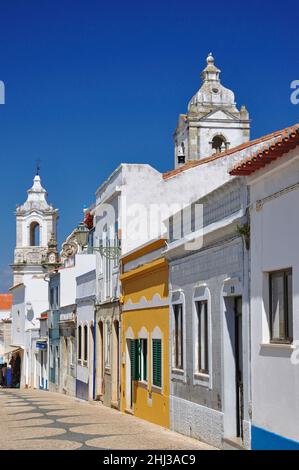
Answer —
(81, 234)
(111, 251)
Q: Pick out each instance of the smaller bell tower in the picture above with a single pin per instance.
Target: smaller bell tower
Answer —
(36, 225)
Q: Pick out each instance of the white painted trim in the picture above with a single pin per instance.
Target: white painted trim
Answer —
(129, 333)
(145, 304)
(178, 374)
(200, 378)
(144, 334)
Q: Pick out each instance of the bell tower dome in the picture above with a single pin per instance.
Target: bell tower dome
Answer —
(36, 224)
(213, 123)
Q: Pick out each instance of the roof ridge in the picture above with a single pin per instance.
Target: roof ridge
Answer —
(288, 141)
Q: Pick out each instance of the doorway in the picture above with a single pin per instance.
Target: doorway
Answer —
(239, 366)
(99, 361)
(91, 391)
(115, 363)
(129, 381)
(233, 368)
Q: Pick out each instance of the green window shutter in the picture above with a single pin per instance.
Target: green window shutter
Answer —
(157, 362)
(135, 359)
(144, 360)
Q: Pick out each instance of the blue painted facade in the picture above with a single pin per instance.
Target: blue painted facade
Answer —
(262, 439)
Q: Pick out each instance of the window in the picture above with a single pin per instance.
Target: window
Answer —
(202, 337)
(34, 234)
(281, 306)
(157, 362)
(52, 298)
(85, 343)
(80, 343)
(51, 357)
(107, 346)
(138, 352)
(71, 353)
(57, 297)
(135, 359)
(178, 336)
(143, 359)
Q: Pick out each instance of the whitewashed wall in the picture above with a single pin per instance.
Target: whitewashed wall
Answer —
(274, 245)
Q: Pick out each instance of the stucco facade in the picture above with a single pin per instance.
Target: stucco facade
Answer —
(85, 300)
(204, 404)
(274, 194)
(145, 327)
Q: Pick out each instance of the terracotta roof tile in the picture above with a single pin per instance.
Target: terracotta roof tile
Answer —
(191, 164)
(286, 140)
(5, 301)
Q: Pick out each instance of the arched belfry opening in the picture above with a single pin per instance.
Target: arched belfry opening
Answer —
(34, 233)
(219, 144)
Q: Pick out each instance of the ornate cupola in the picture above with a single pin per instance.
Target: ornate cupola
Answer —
(36, 223)
(213, 123)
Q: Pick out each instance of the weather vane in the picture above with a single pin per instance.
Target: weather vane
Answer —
(38, 162)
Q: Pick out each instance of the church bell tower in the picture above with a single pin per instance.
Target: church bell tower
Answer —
(36, 225)
(213, 123)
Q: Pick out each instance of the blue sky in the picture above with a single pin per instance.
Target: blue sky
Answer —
(92, 84)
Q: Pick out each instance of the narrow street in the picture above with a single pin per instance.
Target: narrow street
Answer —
(38, 420)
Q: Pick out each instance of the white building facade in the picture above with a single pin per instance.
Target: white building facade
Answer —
(272, 176)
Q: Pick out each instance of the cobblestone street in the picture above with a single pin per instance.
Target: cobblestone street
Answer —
(37, 420)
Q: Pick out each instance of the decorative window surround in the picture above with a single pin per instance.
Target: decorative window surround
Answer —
(143, 334)
(178, 297)
(202, 293)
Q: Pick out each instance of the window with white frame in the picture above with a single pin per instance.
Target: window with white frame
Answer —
(143, 359)
(178, 336)
(85, 343)
(281, 306)
(202, 332)
(157, 362)
(79, 343)
(157, 358)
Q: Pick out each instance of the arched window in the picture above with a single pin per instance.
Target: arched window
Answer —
(219, 144)
(34, 234)
(85, 343)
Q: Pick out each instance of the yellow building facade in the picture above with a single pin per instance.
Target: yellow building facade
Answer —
(145, 334)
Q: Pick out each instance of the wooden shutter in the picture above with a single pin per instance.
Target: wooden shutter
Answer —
(135, 359)
(157, 362)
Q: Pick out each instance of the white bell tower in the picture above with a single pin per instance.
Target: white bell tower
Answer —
(36, 224)
(213, 123)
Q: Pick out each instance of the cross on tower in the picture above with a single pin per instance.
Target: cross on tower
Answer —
(38, 162)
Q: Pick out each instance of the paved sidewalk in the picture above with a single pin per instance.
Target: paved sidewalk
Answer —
(35, 419)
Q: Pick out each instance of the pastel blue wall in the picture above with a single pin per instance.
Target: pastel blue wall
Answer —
(261, 439)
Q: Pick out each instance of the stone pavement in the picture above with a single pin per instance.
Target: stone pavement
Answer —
(35, 419)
